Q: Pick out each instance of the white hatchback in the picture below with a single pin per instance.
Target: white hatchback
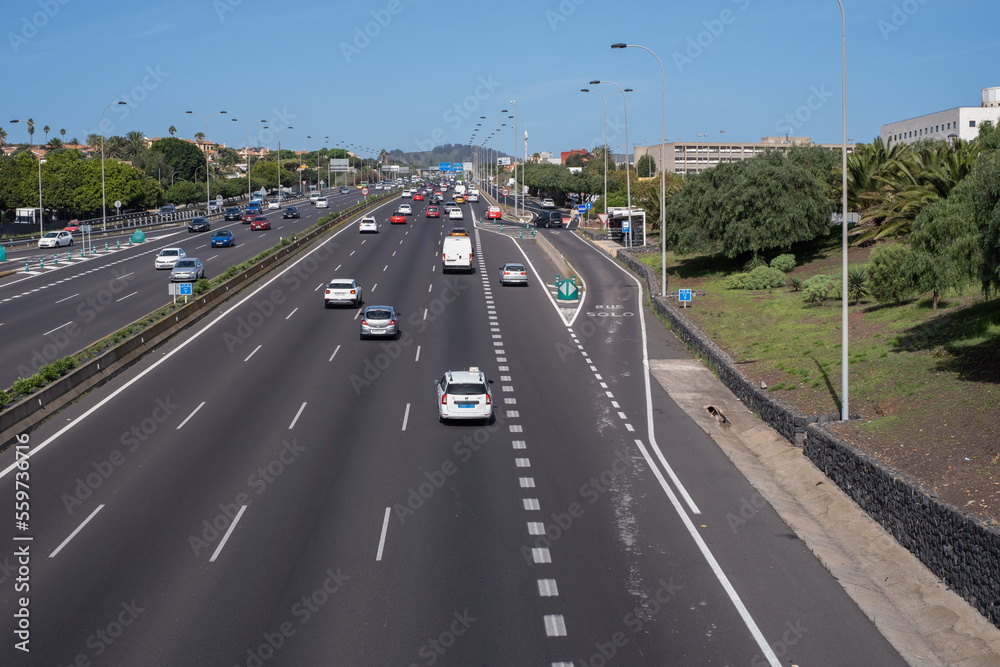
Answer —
(368, 224)
(455, 213)
(465, 395)
(405, 209)
(55, 239)
(322, 202)
(168, 257)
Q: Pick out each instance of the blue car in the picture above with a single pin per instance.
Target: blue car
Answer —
(223, 238)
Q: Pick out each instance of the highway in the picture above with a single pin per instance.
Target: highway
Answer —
(268, 489)
(53, 312)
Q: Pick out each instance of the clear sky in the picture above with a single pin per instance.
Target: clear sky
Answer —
(410, 74)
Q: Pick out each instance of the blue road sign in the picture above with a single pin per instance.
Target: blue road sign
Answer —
(590, 205)
(581, 209)
(444, 166)
(185, 289)
(626, 226)
(683, 295)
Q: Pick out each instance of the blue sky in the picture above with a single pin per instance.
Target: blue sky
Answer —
(410, 74)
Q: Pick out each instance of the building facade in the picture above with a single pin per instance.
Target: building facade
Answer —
(958, 123)
(692, 157)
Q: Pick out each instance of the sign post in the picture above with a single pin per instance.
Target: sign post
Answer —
(684, 297)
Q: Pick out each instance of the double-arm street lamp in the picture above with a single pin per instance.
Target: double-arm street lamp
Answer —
(41, 211)
(628, 155)
(277, 131)
(605, 98)
(247, 123)
(208, 193)
(662, 166)
(104, 199)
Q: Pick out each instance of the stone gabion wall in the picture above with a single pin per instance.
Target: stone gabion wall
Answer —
(960, 549)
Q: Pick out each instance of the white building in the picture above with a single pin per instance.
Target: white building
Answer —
(692, 157)
(960, 122)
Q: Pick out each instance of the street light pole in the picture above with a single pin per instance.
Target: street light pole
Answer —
(247, 123)
(628, 178)
(605, 98)
(845, 414)
(663, 168)
(208, 192)
(104, 202)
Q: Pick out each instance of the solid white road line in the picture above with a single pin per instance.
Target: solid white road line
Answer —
(78, 529)
(385, 529)
(229, 532)
(193, 412)
(297, 415)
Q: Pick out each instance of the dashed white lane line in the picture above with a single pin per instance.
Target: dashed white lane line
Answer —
(541, 555)
(291, 313)
(536, 528)
(229, 532)
(297, 415)
(516, 428)
(547, 588)
(193, 413)
(406, 416)
(78, 529)
(252, 353)
(526, 482)
(385, 529)
(58, 328)
(68, 298)
(531, 504)
(417, 358)
(522, 463)
(334, 353)
(126, 296)
(555, 626)
(519, 444)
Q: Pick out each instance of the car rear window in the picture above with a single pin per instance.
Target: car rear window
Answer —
(466, 388)
(341, 286)
(378, 314)
(514, 267)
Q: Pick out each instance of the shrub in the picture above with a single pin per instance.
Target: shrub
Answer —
(49, 373)
(888, 281)
(857, 284)
(25, 386)
(737, 281)
(795, 282)
(818, 289)
(783, 263)
(201, 285)
(754, 262)
(764, 277)
(4, 399)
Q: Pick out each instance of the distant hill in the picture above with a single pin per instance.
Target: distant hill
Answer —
(445, 153)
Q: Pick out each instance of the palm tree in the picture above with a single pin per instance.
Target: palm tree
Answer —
(857, 284)
(54, 143)
(31, 131)
(135, 144)
(63, 133)
(93, 140)
(3, 137)
(172, 130)
(199, 136)
(46, 131)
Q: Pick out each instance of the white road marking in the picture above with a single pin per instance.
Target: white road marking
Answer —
(297, 415)
(522, 463)
(334, 353)
(536, 528)
(526, 482)
(67, 298)
(78, 529)
(547, 588)
(385, 529)
(516, 428)
(126, 296)
(541, 555)
(555, 626)
(58, 328)
(406, 415)
(291, 313)
(519, 444)
(193, 412)
(229, 532)
(531, 504)
(418, 354)
(252, 353)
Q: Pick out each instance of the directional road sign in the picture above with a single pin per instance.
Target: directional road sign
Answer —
(185, 289)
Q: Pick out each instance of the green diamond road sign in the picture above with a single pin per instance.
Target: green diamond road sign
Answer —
(567, 290)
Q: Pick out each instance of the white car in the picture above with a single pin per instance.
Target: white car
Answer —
(342, 290)
(473, 195)
(274, 204)
(464, 395)
(55, 239)
(407, 193)
(405, 209)
(455, 213)
(168, 257)
(322, 202)
(548, 203)
(368, 224)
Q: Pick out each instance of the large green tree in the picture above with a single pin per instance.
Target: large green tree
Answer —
(768, 202)
(181, 156)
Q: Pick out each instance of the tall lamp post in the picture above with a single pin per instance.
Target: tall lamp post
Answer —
(662, 165)
(725, 135)
(844, 414)
(628, 178)
(41, 210)
(247, 123)
(277, 131)
(104, 199)
(605, 98)
(208, 192)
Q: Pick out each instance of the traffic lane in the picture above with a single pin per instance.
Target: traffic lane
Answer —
(220, 467)
(99, 296)
(777, 577)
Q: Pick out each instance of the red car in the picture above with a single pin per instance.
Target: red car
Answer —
(433, 212)
(493, 213)
(260, 222)
(398, 218)
(417, 196)
(247, 218)
(73, 227)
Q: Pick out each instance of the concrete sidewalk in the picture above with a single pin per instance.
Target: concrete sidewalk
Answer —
(924, 621)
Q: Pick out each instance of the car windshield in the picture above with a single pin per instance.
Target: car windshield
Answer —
(185, 264)
(466, 388)
(167, 253)
(52, 235)
(197, 220)
(378, 314)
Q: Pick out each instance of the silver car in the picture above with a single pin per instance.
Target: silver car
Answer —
(187, 270)
(513, 274)
(380, 321)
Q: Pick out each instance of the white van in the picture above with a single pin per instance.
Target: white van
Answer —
(456, 254)
(459, 189)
